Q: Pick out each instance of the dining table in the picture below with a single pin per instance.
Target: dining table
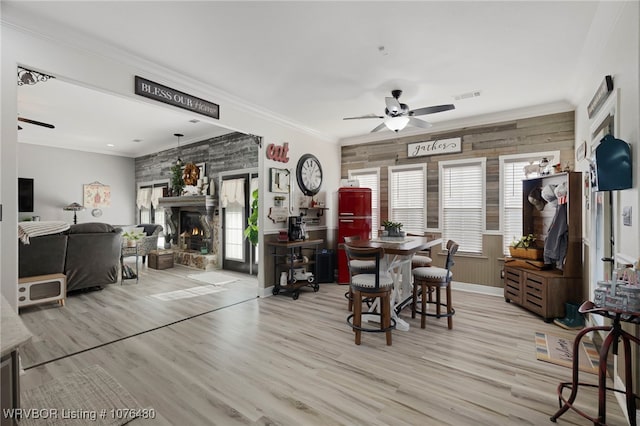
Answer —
(398, 252)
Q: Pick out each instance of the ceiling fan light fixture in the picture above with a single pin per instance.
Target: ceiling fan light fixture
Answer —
(397, 123)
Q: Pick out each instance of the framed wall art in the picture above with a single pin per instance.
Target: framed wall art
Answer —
(96, 197)
(279, 181)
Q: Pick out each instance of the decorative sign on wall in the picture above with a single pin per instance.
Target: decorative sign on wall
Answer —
(278, 152)
(96, 196)
(442, 146)
(167, 95)
(601, 95)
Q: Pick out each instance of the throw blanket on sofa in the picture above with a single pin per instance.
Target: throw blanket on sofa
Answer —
(27, 230)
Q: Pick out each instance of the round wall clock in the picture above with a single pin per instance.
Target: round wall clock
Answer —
(309, 174)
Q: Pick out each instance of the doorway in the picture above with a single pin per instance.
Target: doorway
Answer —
(236, 190)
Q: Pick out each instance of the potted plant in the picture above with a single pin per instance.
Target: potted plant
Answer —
(525, 248)
(131, 238)
(177, 184)
(393, 228)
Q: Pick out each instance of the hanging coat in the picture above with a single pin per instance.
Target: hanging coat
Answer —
(555, 246)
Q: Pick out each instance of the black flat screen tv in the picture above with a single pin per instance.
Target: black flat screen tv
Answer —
(25, 195)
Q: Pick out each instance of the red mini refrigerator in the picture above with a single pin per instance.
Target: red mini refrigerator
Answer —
(354, 218)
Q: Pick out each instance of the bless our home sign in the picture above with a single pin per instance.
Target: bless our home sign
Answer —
(441, 146)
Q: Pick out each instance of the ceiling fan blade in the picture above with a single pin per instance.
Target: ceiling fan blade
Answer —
(419, 123)
(363, 116)
(37, 123)
(379, 127)
(393, 106)
(432, 109)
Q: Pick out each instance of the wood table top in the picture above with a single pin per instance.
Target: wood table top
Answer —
(406, 246)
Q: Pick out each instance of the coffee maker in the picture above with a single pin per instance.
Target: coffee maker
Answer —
(296, 228)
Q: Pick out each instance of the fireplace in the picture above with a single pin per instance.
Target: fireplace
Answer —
(193, 231)
(190, 222)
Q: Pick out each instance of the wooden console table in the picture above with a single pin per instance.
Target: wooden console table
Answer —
(615, 333)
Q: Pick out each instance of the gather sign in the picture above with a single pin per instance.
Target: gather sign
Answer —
(438, 146)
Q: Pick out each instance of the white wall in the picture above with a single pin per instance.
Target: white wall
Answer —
(616, 52)
(99, 66)
(60, 173)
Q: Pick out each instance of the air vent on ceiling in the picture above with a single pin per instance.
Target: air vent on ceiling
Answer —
(467, 95)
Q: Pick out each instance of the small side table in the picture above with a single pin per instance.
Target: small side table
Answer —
(615, 333)
(127, 252)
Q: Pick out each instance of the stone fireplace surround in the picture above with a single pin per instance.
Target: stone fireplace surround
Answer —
(200, 210)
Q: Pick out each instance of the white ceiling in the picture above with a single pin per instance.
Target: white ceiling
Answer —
(313, 62)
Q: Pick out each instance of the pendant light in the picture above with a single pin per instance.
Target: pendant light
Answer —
(178, 135)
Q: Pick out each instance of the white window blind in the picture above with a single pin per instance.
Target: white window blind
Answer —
(511, 176)
(370, 178)
(407, 197)
(462, 203)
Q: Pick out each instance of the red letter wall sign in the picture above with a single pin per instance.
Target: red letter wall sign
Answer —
(278, 153)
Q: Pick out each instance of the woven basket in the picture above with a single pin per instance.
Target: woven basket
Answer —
(533, 253)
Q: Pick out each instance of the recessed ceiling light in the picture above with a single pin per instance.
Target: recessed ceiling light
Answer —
(137, 140)
(110, 145)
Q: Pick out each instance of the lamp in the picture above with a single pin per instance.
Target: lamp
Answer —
(74, 207)
(397, 123)
(178, 135)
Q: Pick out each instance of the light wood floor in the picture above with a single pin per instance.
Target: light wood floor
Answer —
(276, 361)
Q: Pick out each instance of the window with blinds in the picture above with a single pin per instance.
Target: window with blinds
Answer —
(408, 197)
(462, 203)
(370, 178)
(511, 176)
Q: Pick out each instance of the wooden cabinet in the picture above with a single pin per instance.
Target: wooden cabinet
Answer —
(545, 292)
(542, 292)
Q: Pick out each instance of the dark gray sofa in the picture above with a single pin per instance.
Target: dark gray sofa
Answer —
(88, 254)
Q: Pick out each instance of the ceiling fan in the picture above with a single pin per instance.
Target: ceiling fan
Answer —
(37, 123)
(399, 115)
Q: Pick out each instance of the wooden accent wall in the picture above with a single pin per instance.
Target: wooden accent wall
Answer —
(235, 151)
(545, 133)
(554, 132)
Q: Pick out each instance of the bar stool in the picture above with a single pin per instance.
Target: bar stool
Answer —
(359, 267)
(369, 285)
(426, 280)
(421, 258)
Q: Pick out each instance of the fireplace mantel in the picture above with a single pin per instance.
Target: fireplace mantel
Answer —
(203, 201)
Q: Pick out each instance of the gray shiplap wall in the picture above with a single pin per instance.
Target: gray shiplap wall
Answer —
(544, 133)
(235, 151)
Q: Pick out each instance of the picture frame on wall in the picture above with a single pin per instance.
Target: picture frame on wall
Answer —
(279, 180)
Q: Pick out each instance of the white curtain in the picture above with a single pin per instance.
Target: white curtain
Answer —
(232, 191)
(143, 200)
(156, 194)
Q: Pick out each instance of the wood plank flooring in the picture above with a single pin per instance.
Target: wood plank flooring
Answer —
(276, 361)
